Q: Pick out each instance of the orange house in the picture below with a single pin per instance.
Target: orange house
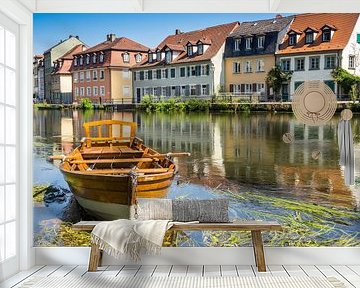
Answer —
(102, 73)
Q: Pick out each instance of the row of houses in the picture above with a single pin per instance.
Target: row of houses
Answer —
(232, 58)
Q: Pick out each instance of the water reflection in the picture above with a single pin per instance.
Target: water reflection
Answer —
(237, 152)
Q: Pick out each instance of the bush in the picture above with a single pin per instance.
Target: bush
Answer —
(86, 104)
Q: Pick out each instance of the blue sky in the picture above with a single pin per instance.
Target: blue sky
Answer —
(148, 29)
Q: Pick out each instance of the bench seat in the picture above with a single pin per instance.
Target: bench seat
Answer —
(255, 227)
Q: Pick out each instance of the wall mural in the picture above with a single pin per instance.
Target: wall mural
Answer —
(278, 142)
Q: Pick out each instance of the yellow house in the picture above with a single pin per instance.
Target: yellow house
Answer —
(250, 55)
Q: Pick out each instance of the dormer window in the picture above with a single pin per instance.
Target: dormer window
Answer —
(101, 58)
(292, 39)
(126, 57)
(237, 44)
(150, 57)
(326, 35)
(158, 55)
(189, 50)
(327, 32)
(75, 61)
(309, 37)
(200, 48)
(248, 43)
(138, 58)
(81, 60)
(87, 59)
(168, 56)
(94, 58)
(261, 42)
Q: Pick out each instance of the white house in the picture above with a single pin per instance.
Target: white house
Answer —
(184, 64)
(316, 44)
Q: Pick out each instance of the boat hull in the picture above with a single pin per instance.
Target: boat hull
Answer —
(108, 197)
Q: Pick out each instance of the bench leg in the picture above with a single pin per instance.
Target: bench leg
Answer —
(258, 250)
(95, 257)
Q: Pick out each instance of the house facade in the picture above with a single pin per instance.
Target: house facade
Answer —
(316, 44)
(184, 64)
(38, 77)
(250, 55)
(102, 73)
(50, 56)
(61, 78)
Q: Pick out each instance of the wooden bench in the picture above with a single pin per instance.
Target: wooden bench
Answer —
(255, 227)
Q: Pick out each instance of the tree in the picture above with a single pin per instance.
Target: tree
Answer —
(348, 82)
(276, 77)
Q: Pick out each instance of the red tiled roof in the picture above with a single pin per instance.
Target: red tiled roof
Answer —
(65, 67)
(344, 24)
(75, 50)
(174, 47)
(67, 58)
(216, 34)
(312, 29)
(122, 43)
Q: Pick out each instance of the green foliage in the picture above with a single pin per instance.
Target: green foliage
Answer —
(173, 104)
(276, 77)
(86, 104)
(347, 81)
(44, 106)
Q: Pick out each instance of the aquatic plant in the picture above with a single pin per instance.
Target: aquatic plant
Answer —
(305, 224)
(38, 192)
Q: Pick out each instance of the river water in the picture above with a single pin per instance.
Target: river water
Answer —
(239, 156)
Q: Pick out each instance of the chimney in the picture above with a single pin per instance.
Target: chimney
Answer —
(178, 31)
(278, 16)
(111, 37)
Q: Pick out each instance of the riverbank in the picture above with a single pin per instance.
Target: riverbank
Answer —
(192, 105)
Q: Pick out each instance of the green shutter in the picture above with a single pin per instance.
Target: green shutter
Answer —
(298, 83)
(331, 84)
(358, 38)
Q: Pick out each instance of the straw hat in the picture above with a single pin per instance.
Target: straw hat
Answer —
(346, 114)
(314, 103)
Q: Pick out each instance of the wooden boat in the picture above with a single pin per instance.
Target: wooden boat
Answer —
(108, 171)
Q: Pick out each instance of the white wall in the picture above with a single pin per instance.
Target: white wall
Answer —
(219, 65)
(352, 48)
(307, 75)
(65, 83)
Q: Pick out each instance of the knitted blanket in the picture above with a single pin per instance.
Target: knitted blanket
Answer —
(181, 210)
(130, 237)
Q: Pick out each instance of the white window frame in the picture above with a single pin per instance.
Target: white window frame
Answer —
(352, 59)
(260, 65)
(327, 57)
(248, 66)
(88, 91)
(261, 42)
(126, 57)
(102, 71)
(236, 67)
(95, 75)
(10, 142)
(95, 90)
(17, 18)
(248, 43)
(237, 44)
(102, 91)
(138, 58)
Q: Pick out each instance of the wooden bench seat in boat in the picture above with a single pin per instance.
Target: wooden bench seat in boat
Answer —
(255, 227)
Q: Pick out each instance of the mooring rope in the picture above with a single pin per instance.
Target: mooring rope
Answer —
(134, 181)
